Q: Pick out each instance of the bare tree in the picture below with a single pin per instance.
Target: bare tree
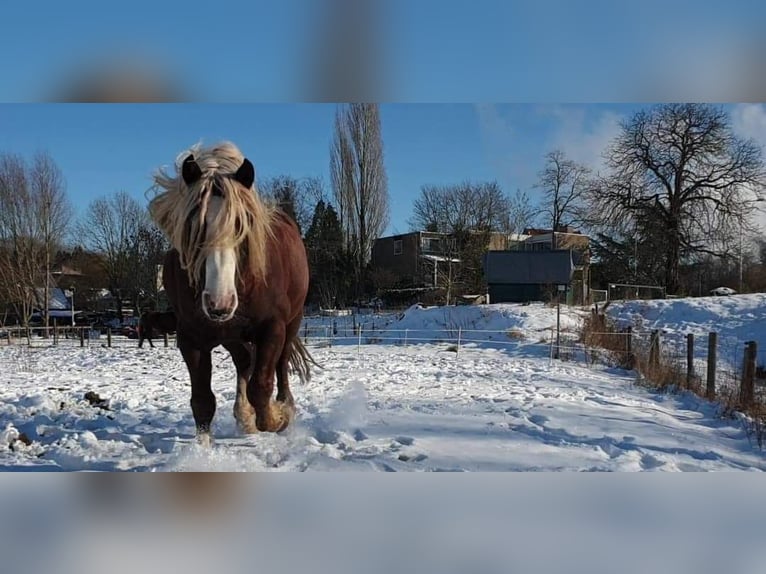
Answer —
(564, 183)
(297, 197)
(47, 187)
(467, 206)
(34, 214)
(681, 167)
(19, 249)
(467, 214)
(111, 227)
(359, 181)
(521, 212)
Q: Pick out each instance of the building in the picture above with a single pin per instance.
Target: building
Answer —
(412, 259)
(519, 276)
(535, 262)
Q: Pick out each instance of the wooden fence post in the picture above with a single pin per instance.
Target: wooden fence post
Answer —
(629, 346)
(712, 350)
(108, 336)
(165, 338)
(654, 349)
(689, 359)
(747, 387)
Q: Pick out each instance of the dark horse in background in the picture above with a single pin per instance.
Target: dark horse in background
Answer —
(155, 324)
(237, 276)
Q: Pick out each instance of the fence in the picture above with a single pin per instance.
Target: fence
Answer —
(73, 337)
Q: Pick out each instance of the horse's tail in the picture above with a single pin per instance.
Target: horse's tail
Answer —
(301, 360)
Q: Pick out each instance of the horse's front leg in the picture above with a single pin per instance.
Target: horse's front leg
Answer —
(198, 362)
(269, 415)
(244, 414)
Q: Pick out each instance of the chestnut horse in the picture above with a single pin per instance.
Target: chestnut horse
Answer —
(153, 324)
(237, 276)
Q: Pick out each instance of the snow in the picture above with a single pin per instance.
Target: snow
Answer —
(406, 399)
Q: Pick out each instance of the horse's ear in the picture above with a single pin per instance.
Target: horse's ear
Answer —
(245, 174)
(190, 170)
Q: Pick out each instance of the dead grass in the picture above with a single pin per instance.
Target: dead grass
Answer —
(667, 373)
(514, 334)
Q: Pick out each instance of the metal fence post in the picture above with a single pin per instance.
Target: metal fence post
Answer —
(359, 340)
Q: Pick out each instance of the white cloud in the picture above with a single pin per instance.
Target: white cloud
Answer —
(583, 137)
(749, 120)
(582, 133)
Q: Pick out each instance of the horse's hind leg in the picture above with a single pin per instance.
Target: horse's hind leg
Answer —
(244, 413)
(198, 362)
(283, 383)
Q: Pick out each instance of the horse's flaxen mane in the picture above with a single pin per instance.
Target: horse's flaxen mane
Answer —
(245, 221)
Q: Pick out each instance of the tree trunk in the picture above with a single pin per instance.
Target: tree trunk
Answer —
(673, 254)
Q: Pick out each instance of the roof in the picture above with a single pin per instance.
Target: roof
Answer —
(529, 267)
(57, 299)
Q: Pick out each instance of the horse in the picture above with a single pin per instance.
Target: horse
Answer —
(237, 276)
(155, 323)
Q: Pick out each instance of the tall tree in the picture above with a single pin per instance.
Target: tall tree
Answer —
(327, 257)
(359, 181)
(564, 184)
(682, 167)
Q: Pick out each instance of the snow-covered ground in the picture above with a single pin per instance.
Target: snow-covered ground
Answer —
(500, 403)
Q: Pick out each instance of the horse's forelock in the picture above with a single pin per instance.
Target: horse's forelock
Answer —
(244, 221)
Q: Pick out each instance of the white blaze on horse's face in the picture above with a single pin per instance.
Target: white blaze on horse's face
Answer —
(219, 296)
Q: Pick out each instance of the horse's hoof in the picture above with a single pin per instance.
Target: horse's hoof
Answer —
(283, 426)
(205, 440)
(247, 429)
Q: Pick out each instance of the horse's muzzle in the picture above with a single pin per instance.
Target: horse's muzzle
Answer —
(219, 308)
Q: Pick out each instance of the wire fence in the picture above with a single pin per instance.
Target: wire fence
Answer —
(586, 346)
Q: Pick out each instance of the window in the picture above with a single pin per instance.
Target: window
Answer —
(397, 246)
(430, 244)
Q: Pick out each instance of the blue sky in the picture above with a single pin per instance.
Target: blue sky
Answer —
(105, 148)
